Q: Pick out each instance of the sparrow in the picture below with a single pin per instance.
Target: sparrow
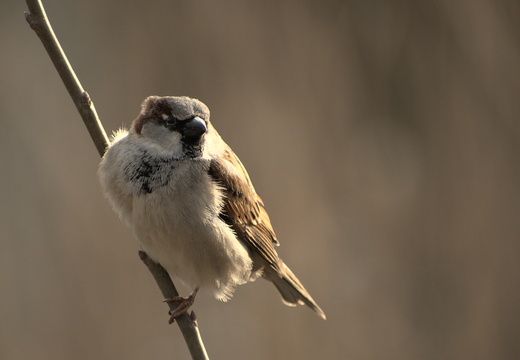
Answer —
(191, 205)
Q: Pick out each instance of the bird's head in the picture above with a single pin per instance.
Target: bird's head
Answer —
(177, 125)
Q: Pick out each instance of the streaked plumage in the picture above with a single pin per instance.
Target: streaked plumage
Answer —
(191, 204)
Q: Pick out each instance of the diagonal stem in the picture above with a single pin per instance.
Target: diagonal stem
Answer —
(186, 322)
(37, 19)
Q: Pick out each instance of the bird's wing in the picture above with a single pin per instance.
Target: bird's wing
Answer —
(243, 209)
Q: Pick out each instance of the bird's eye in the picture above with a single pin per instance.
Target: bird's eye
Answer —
(169, 121)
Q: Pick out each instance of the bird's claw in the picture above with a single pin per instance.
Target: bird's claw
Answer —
(184, 304)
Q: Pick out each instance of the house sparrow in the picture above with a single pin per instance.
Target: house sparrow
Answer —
(190, 202)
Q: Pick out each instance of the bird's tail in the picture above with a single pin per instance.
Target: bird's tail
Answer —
(292, 290)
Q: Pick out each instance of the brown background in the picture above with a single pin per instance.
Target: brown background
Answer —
(383, 136)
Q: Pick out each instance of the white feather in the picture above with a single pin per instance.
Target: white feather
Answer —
(177, 224)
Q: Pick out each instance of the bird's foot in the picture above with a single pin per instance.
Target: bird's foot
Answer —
(184, 304)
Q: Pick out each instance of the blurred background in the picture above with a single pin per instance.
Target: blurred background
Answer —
(384, 137)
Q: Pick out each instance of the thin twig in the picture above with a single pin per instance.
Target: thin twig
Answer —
(39, 22)
(187, 323)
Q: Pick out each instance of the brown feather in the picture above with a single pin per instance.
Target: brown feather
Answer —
(243, 209)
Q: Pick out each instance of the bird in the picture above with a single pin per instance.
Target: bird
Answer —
(191, 205)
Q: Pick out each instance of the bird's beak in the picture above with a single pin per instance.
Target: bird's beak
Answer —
(194, 129)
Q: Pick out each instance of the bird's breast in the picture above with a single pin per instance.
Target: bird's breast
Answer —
(176, 220)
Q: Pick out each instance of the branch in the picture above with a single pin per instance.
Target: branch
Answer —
(187, 323)
(39, 22)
